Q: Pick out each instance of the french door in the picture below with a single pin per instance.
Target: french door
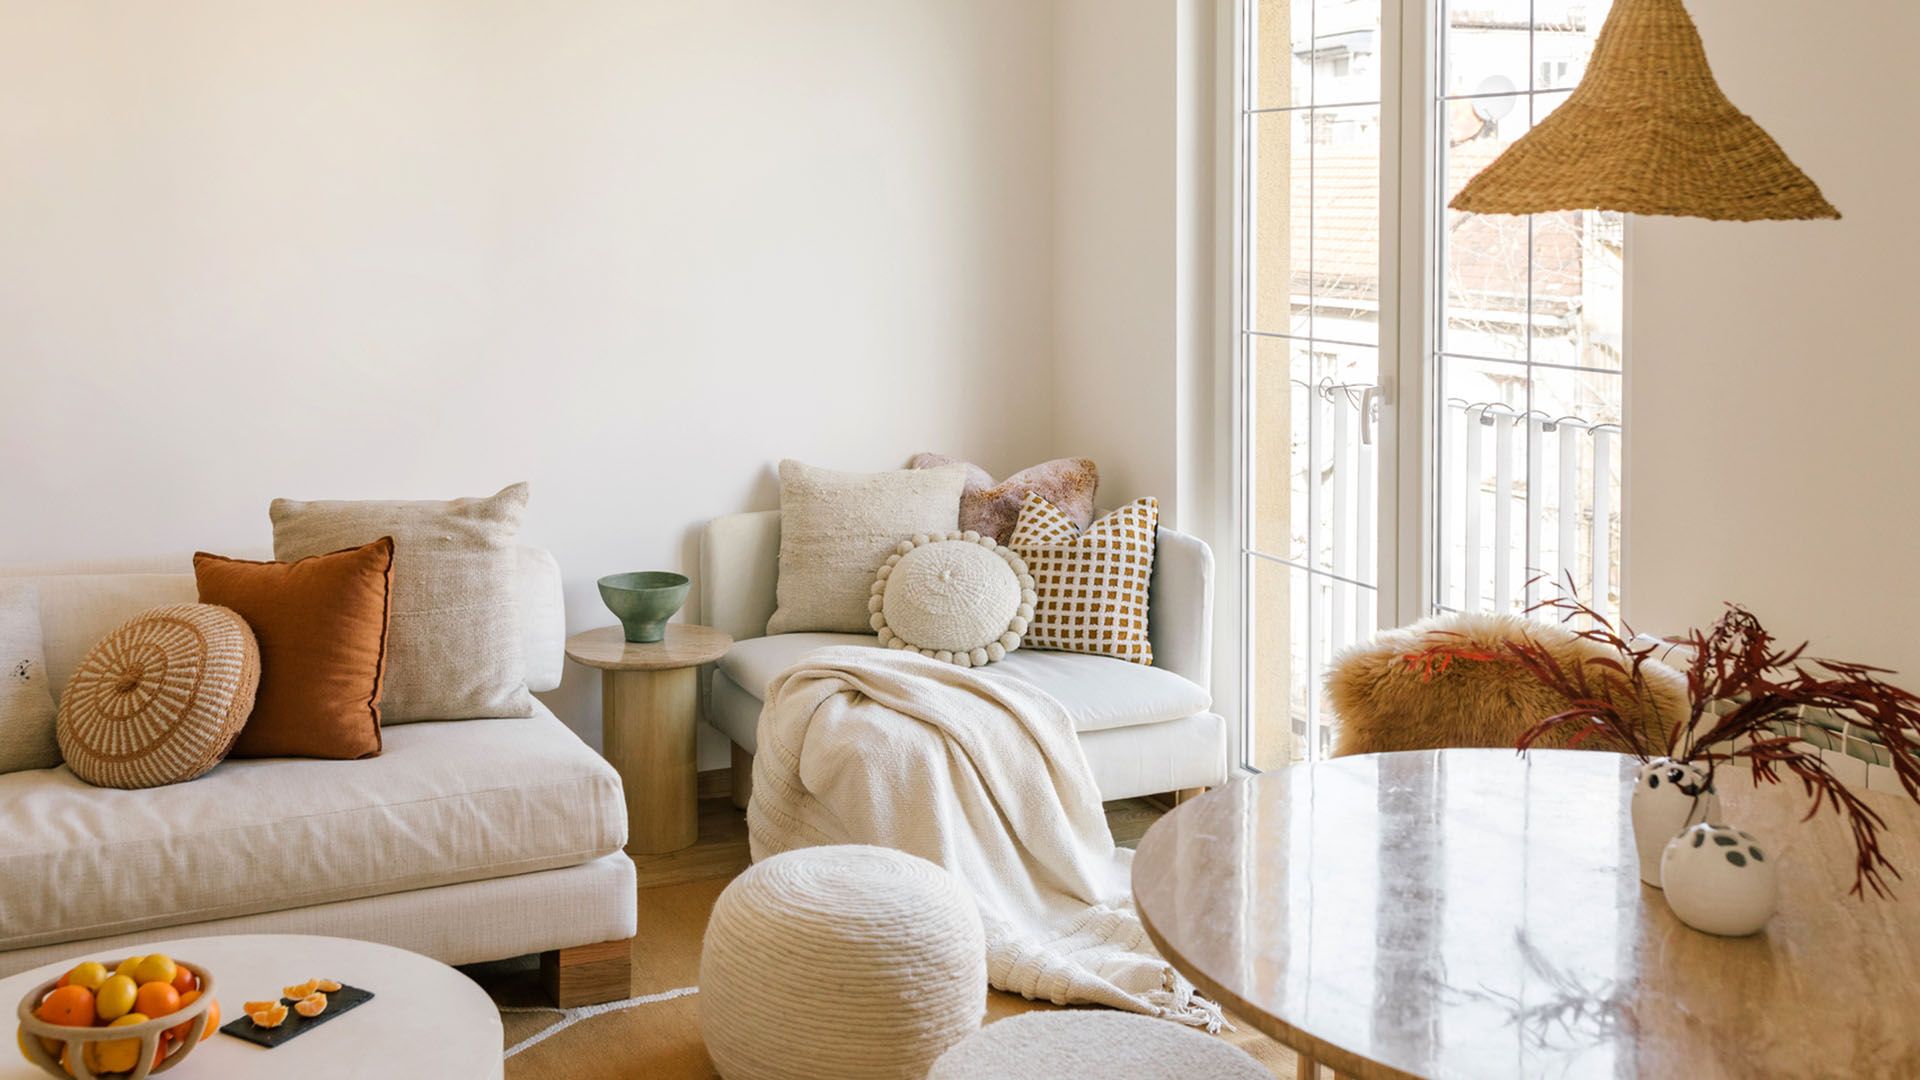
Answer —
(1429, 400)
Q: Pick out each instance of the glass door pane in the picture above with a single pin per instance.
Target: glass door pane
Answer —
(1311, 134)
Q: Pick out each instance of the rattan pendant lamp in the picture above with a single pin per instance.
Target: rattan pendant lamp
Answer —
(1647, 131)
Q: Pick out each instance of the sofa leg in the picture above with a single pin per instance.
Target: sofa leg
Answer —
(742, 780)
(588, 974)
(1188, 794)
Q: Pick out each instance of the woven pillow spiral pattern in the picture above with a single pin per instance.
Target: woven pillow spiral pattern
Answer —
(845, 962)
(160, 699)
(958, 597)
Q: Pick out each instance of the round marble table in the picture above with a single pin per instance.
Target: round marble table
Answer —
(425, 1019)
(1463, 913)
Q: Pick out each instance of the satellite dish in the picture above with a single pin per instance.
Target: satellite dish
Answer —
(1491, 99)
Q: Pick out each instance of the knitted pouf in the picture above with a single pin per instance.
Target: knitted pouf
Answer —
(840, 962)
(1093, 1042)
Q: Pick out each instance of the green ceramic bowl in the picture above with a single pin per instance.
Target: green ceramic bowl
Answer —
(644, 601)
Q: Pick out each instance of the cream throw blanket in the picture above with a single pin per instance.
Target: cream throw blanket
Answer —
(981, 774)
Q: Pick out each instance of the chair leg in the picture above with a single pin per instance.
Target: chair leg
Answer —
(588, 974)
(742, 780)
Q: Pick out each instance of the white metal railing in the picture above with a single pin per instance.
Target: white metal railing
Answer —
(1507, 514)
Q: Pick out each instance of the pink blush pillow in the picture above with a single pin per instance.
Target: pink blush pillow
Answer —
(992, 509)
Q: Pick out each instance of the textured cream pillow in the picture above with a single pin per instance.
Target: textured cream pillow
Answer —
(836, 528)
(957, 597)
(161, 699)
(454, 645)
(1092, 585)
(26, 702)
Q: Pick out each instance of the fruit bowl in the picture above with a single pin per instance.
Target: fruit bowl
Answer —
(89, 1052)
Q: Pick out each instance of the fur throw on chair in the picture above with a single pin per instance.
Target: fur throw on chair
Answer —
(1382, 703)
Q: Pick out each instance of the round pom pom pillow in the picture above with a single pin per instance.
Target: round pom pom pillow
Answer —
(958, 597)
(160, 699)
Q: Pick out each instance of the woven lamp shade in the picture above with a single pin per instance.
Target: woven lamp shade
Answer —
(1647, 131)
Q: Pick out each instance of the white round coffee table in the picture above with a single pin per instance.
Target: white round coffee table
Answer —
(425, 1019)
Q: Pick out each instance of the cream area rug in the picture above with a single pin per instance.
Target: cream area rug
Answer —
(986, 778)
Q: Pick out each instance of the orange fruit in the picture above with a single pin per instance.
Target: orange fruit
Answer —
(183, 981)
(252, 1007)
(300, 990)
(69, 1005)
(179, 1031)
(270, 1017)
(312, 1005)
(115, 997)
(157, 999)
(213, 1018)
(162, 1048)
(52, 1046)
(325, 986)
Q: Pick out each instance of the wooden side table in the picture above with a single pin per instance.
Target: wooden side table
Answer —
(650, 700)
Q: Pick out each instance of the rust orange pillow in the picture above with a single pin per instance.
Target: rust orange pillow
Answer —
(322, 627)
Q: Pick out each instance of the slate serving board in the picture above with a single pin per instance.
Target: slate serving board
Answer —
(340, 1001)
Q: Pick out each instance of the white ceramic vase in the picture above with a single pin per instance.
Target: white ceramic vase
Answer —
(1719, 879)
(1668, 796)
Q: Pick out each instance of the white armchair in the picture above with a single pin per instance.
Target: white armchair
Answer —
(1145, 730)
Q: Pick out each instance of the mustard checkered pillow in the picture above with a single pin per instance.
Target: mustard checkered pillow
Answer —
(1092, 585)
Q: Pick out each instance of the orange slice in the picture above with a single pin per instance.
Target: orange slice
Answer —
(252, 1007)
(269, 1017)
(301, 990)
(312, 1005)
(325, 986)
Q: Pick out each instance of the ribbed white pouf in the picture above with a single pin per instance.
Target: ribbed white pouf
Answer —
(1088, 1042)
(840, 962)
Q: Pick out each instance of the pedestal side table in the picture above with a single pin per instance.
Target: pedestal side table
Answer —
(650, 700)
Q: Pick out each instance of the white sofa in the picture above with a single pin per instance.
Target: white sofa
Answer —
(465, 840)
(1145, 730)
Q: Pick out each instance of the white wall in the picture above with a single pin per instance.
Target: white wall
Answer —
(634, 252)
(1774, 389)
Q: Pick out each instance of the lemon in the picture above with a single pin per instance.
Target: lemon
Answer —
(90, 975)
(116, 1055)
(115, 997)
(125, 967)
(156, 968)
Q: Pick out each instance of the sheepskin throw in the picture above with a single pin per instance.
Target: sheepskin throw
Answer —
(1382, 703)
(161, 699)
(26, 701)
(985, 777)
(992, 509)
(840, 961)
(958, 597)
(1091, 586)
(455, 646)
(836, 528)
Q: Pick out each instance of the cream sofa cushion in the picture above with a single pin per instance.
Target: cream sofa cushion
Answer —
(1099, 692)
(81, 601)
(836, 528)
(26, 704)
(454, 645)
(446, 802)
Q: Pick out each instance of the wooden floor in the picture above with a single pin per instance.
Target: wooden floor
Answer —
(676, 894)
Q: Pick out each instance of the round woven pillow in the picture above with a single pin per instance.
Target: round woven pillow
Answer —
(160, 699)
(958, 597)
(1090, 1042)
(840, 963)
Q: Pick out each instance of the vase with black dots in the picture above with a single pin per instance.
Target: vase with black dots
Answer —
(1719, 879)
(1668, 797)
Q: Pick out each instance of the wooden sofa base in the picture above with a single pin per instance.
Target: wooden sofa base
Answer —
(588, 974)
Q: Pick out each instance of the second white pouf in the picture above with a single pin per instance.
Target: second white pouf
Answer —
(844, 961)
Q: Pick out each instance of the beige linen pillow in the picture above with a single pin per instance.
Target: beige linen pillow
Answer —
(454, 644)
(836, 528)
(26, 702)
(1092, 586)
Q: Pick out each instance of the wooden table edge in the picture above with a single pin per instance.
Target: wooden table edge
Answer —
(1342, 1061)
(708, 646)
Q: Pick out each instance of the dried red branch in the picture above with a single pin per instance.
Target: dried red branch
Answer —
(1746, 696)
